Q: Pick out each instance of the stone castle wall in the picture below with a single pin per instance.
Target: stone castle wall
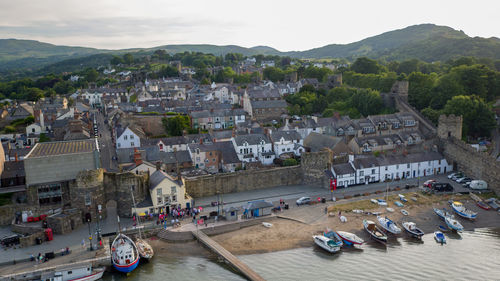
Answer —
(313, 166)
(118, 187)
(242, 181)
(478, 165)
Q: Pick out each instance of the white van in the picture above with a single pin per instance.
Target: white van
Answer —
(478, 184)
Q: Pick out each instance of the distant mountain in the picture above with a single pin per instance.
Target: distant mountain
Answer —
(426, 42)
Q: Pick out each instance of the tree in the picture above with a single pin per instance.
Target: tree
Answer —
(174, 126)
(128, 58)
(431, 114)
(365, 65)
(367, 102)
(420, 89)
(91, 75)
(115, 60)
(479, 119)
(274, 74)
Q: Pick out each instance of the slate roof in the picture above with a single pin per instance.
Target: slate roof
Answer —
(12, 169)
(251, 139)
(258, 205)
(317, 142)
(157, 177)
(147, 202)
(365, 162)
(263, 93)
(229, 155)
(62, 148)
(343, 169)
(287, 135)
(260, 104)
(175, 157)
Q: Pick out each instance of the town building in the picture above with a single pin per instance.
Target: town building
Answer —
(254, 148)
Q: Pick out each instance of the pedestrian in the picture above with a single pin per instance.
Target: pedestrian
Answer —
(326, 210)
(62, 251)
(67, 250)
(32, 258)
(340, 213)
(83, 243)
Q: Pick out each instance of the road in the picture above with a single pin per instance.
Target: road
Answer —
(106, 147)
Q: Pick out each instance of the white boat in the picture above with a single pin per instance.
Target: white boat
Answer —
(266, 224)
(412, 229)
(343, 219)
(350, 238)
(124, 254)
(66, 273)
(453, 224)
(399, 204)
(326, 243)
(374, 201)
(404, 212)
(402, 198)
(389, 209)
(381, 202)
(357, 211)
(460, 209)
(439, 236)
(374, 231)
(414, 198)
(388, 225)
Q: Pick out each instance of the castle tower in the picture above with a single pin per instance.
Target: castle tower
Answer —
(450, 126)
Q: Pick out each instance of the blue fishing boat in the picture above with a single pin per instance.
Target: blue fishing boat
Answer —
(332, 235)
(124, 254)
(439, 236)
(453, 224)
(399, 204)
(460, 209)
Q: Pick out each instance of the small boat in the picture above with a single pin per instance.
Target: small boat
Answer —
(399, 204)
(266, 224)
(381, 202)
(330, 234)
(145, 250)
(443, 229)
(442, 213)
(374, 201)
(326, 243)
(402, 198)
(412, 229)
(493, 203)
(388, 225)
(460, 209)
(350, 238)
(343, 219)
(481, 204)
(439, 236)
(357, 211)
(389, 209)
(376, 213)
(61, 273)
(453, 224)
(404, 212)
(414, 199)
(124, 254)
(475, 197)
(374, 231)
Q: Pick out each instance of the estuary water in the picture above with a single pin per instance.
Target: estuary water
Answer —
(471, 255)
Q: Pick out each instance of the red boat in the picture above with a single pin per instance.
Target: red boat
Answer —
(483, 205)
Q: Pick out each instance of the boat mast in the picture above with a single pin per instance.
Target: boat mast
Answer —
(136, 216)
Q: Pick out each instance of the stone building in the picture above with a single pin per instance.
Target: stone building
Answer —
(450, 126)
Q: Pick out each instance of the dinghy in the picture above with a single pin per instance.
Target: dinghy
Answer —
(442, 228)
(357, 211)
(381, 202)
(266, 224)
(475, 197)
(460, 209)
(124, 254)
(145, 250)
(343, 219)
(376, 213)
(350, 238)
(389, 225)
(326, 243)
(374, 201)
(404, 212)
(481, 204)
(402, 198)
(413, 230)
(330, 234)
(493, 203)
(399, 204)
(374, 231)
(391, 210)
(414, 199)
(439, 236)
(442, 213)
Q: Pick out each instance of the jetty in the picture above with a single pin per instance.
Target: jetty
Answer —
(230, 258)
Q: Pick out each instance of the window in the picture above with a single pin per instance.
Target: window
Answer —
(373, 171)
(429, 163)
(159, 200)
(439, 162)
(282, 150)
(173, 189)
(397, 166)
(213, 159)
(131, 137)
(125, 137)
(174, 198)
(386, 168)
(241, 151)
(119, 145)
(158, 191)
(33, 130)
(262, 149)
(352, 182)
(408, 166)
(361, 173)
(132, 144)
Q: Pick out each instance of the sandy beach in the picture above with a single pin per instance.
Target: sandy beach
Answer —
(288, 234)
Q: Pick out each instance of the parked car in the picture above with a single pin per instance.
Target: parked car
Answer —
(463, 180)
(478, 184)
(453, 174)
(303, 200)
(458, 176)
(441, 186)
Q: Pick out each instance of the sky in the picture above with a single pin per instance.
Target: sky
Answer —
(284, 25)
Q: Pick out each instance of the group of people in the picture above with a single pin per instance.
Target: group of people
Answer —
(40, 258)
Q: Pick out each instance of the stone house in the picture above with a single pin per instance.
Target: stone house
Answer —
(264, 104)
(165, 194)
(205, 156)
(217, 119)
(360, 145)
(172, 144)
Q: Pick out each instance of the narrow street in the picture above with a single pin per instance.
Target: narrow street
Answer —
(108, 153)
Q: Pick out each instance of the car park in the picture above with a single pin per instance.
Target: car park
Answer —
(441, 187)
(303, 200)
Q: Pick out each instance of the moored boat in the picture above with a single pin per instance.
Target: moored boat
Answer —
(439, 236)
(350, 238)
(460, 209)
(390, 210)
(442, 213)
(374, 201)
(382, 202)
(493, 203)
(412, 229)
(388, 225)
(402, 198)
(326, 243)
(404, 212)
(399, 204)
(145, 250)
(374, 231)
(124, 254)
(330, 234)
(60, 273)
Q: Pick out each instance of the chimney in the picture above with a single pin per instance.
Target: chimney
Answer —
(16, 156)
(201, 140)
(233, 134)
(137, 157)
(158, 165)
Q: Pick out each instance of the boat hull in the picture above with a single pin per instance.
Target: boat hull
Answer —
(131, 265)
(320, 243)
(92, 277)
(464, 214)
(483, 205)
(381, 239)
(453, 224)
(349, 240)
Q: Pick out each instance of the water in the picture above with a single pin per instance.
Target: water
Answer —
(469, 256)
